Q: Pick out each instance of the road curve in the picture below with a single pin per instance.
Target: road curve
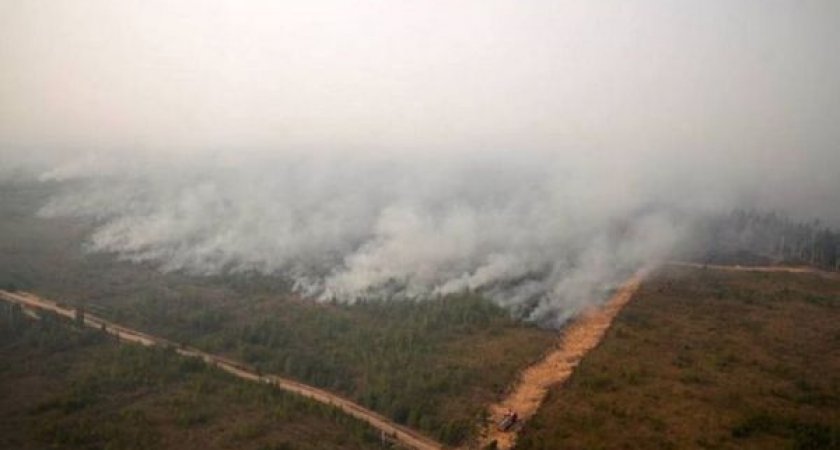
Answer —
(395, 432)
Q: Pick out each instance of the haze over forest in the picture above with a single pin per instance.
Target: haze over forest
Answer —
(536, 151)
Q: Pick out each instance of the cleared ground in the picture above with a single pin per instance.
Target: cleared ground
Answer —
(707, 359)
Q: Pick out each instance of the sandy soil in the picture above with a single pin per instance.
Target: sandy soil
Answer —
(582, 335)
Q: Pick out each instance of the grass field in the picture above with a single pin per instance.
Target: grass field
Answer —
(432, 365)
(707, 359)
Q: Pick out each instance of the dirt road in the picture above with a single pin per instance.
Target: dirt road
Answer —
(583, 334)
(769, 269)
(394, 432)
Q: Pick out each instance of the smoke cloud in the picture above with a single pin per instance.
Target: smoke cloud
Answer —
(536, 152)
(529, 231)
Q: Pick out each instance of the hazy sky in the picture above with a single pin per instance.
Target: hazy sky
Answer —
(441, 143)
(723, 76)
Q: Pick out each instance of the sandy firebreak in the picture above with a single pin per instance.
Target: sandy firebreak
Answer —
(582, 335)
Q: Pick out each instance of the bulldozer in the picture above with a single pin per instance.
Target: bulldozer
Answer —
(509, 419)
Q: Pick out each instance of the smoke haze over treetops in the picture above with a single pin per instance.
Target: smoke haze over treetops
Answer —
(536, 151)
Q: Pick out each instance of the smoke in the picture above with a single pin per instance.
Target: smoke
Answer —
(515, 227)
(536, 152)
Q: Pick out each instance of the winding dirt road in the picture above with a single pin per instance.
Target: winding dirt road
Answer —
(578, 338)
(393, 431)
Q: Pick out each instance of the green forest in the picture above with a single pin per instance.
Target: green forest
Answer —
(71, 388)
(433, 365)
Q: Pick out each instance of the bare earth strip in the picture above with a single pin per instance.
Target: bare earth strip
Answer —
(768, 269)
(402, 435)
(582, 335)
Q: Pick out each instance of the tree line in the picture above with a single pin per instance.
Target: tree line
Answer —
(745, 236)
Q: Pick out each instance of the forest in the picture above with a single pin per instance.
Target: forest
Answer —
(751, 236)
(62, 386)
(430, 364)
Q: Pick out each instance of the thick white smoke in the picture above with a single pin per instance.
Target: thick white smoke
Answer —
(536, 151)
(520, 228)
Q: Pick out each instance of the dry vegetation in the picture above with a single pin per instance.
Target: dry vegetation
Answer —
(707, 359)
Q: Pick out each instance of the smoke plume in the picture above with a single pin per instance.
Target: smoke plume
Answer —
(535, 152)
